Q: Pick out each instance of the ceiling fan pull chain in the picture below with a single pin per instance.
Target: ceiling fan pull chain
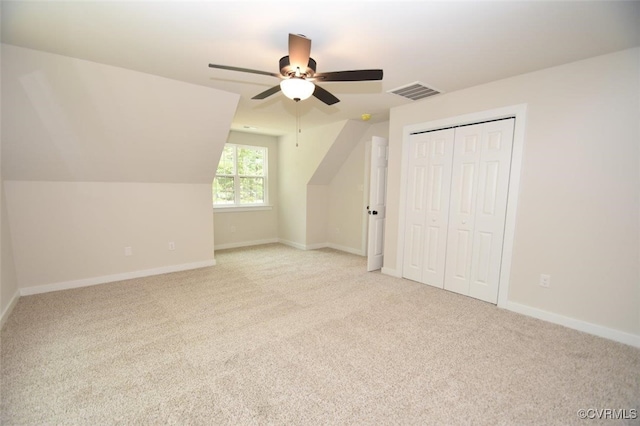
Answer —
(297, 122)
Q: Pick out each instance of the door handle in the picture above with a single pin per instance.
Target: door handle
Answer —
(374, 212)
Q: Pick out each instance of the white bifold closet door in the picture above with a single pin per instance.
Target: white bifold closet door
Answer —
(456, 207)
(479, 186)
(427, 211)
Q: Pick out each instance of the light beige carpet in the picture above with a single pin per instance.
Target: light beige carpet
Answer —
(273, 335)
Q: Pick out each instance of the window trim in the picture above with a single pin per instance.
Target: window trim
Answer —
(237, 206)
(245, 208)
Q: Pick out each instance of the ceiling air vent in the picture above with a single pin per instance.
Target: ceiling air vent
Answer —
(415, 91)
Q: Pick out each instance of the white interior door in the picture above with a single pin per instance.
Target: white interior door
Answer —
(479, 185)
(377, 202)
(428, 189)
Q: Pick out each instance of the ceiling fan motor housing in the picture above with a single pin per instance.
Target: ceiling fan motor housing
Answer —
(288, 71)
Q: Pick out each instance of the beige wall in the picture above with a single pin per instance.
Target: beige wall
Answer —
(8, 280)
(348, 196)
(68, 231)
(297, 165)
(317, 211)
(318, 194)
(579, 200)
(235, 229)
(347, 201)
(96, 158)
(338, 152)
(71, 120)
(334, 198)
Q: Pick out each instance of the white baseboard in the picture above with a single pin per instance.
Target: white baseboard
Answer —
(302, 246)
(292, 244)
(316, 246)
(587, 327)
(345, 249)
(9, 308)
(86, 282)
(245, 244)
(298, 246)
(392, 272)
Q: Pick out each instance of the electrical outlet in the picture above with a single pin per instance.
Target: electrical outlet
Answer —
(128, 251)
(172, 245)
(545, 280)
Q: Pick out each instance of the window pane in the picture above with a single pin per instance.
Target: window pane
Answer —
(250, 162)
(226, 164)
(223, 190)
(241, 176)
(251, 190)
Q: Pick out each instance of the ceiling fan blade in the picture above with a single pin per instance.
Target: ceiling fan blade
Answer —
(227, 67)
(325, 96)
(355, 75)
(299, 51)
(267, 93)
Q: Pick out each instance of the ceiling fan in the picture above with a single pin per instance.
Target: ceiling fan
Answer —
(298, 74)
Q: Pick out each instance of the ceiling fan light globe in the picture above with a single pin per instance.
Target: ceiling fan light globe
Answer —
(297, 88)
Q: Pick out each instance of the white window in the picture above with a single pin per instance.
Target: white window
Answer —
(241, 177)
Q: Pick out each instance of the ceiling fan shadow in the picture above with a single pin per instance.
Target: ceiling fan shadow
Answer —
(229, 80)
(359, 88)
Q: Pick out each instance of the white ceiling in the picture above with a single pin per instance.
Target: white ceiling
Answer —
(447, 45)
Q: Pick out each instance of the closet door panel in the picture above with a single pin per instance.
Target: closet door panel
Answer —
(439, 165)
(416, 208)
(493, 185)
(428, 188)
(464, 178)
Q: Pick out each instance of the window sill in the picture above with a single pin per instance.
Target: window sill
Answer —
(236, 209)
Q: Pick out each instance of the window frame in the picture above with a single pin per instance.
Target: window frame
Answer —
(237, 205)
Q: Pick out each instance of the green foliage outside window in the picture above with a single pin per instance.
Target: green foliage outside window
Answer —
(241, 176)
(226, 166)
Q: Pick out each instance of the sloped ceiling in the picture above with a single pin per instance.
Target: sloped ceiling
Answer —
(448, 45)
(338, 152)
(66, 119)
